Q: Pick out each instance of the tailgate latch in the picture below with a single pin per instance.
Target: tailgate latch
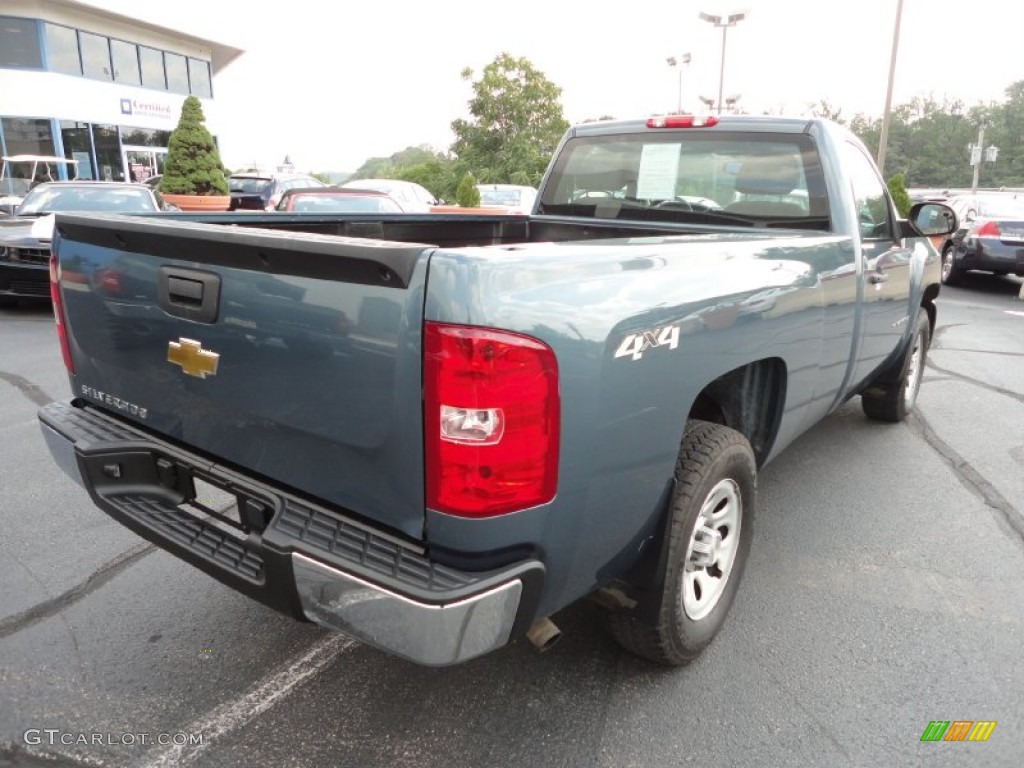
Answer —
(189, 293)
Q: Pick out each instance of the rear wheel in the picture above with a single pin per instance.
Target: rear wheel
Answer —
(708, 544)
(893, 397)
(952, 274)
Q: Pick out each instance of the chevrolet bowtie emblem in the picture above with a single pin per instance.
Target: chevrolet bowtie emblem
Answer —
(193, 359)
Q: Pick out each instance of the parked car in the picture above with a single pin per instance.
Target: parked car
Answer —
(411, 196)
(337, 200)
(515, 198)
(993, 241)
(25, 237)
(262, 191)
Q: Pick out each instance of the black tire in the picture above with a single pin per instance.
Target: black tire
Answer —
(894, 394)
(712, 459)
(952, 273)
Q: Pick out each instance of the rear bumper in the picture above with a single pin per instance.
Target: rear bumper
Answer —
(293, 555)
(992, 255)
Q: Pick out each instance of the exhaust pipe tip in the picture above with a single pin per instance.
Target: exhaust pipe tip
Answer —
(543, 634)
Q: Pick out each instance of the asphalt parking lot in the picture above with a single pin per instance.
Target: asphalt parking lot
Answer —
(885, 590)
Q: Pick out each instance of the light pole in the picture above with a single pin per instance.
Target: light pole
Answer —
(724, 22)
(678, 64)
(730, 103)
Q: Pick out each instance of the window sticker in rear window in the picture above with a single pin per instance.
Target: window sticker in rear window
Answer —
(659, 170)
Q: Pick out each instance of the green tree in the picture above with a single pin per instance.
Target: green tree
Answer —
(389, 167)
(928, 141)
(467, 195)
(1005, 129)
(193, 164)
(516, 123)
(423, 165)
(898, 190)
(439, 175)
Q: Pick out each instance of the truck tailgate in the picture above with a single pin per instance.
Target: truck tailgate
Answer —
(293, 356)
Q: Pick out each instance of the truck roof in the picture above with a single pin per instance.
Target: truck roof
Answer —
(767, 123)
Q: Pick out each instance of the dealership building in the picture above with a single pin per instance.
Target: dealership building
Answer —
(99, 88)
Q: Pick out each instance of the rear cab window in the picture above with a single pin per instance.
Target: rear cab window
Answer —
(722, 178)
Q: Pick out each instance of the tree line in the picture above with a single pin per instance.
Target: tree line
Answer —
(929, 140)
(515, 122)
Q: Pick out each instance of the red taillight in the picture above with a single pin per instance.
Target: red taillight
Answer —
(58, 314)
(682, 121)
(988, 229)
(491, 416)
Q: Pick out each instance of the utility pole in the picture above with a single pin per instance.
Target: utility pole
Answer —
(883, 140)
(976, 151)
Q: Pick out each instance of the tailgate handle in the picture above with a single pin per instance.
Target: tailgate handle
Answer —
(185, 291)
(189, 293)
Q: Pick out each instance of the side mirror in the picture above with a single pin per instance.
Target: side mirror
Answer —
(930, 219)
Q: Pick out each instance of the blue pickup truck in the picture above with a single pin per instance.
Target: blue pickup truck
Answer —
(433, 432)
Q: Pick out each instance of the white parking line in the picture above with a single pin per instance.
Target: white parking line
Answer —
(258, 699)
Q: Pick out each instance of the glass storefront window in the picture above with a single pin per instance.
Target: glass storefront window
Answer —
(77, 52)
(145, 137)
(27, 136)
(62, 50)
(19, 43)
(199, 75)
(126, 62)
(177, 73)
(152, 62)
(77, 146)
(108, 152)
(95, 56)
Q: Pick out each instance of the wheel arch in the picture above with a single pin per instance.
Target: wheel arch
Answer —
(749, 399)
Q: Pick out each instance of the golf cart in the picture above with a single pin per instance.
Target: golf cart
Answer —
(19, 173)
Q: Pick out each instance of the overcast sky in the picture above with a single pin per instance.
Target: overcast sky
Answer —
(331, 83)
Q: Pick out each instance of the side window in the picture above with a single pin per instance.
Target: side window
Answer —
(870, 195)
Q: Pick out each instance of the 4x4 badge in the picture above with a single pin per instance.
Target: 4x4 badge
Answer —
(193, 359)
(635, 344)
